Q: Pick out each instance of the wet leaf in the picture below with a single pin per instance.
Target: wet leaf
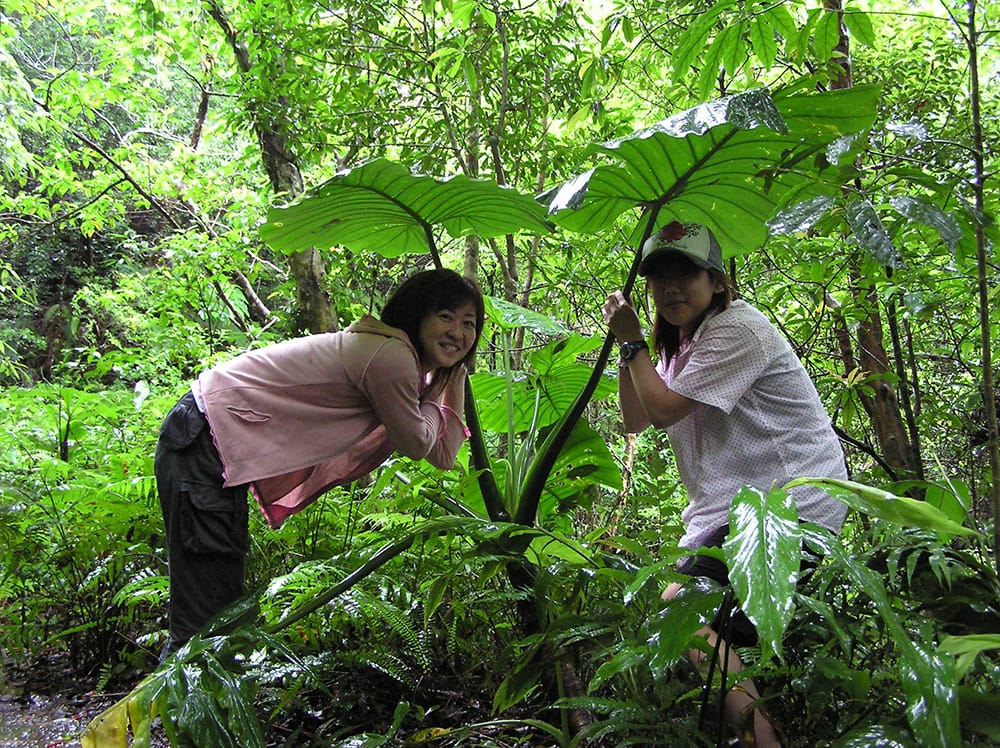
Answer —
(931, 695)
(924, 211)
(928, 681)
(870, 234)
(800, 217)
(875, 736)
(509, 316)
(670, 632)
(911, 130)
(876, 502)
(762, 553)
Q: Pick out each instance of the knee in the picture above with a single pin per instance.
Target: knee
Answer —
(671, 591)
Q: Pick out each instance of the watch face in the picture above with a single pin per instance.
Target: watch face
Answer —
(628, 350)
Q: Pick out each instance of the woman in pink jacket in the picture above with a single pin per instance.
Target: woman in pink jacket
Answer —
(292, 420)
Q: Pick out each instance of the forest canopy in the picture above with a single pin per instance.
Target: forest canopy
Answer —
(185, 181)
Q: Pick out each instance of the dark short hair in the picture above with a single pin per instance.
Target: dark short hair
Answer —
(427, 292)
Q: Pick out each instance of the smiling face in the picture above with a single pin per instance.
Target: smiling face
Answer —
(447, 335)
(682, 291)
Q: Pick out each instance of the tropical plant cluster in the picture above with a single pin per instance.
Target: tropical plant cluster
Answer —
(183, 181)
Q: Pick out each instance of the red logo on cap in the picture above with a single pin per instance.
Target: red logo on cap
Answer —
(673, 231)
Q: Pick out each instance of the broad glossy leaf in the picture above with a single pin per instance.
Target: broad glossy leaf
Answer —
(669, 632)
(875, 736)
(870, 234)
(382, 207)
(801, 216)
(882, 504)
(762, 553)
(584, 461)
(931, 694)
(508, 316)
(926, 212)
(235, 695)
(729, 164)
(928, 681)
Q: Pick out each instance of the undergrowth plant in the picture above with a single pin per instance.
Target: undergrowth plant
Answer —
(82, 564)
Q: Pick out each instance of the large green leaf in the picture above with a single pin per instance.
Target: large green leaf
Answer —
(876, 502)
(762, 553)
(556, 376)
(584, 461)
(924, 211)
(870, 233)
(382, 207)
(729, 164)
(928, 680)
(507, 316)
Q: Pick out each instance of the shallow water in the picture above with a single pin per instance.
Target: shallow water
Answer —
(42, 722)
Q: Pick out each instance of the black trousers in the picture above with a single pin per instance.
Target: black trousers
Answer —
(206, 523)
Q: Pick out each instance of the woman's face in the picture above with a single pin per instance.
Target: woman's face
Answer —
(682, 292)
(447, 335)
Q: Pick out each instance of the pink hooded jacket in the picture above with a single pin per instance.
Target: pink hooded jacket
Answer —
(300, 417)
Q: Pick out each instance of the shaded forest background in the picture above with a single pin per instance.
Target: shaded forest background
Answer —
(144, 144)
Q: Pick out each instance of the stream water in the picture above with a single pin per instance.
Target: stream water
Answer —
(43, 722)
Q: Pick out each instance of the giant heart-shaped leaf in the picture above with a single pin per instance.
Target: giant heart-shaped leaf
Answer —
(729, 164)
(382, 207)
(555, 377)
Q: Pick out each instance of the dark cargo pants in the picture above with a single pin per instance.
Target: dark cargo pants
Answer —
(206, 523)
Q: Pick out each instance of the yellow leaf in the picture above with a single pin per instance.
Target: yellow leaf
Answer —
(109, 729)
(426, 735)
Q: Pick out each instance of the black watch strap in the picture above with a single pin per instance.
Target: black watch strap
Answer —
(628, 349)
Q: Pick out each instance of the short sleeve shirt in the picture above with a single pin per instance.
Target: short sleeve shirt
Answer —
(759, 422)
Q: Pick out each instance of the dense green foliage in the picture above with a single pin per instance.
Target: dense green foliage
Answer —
(143, 145)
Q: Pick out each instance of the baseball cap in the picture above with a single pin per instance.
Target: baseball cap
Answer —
(694, 240)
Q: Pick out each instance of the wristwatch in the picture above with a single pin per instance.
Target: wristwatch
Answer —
(627, 350)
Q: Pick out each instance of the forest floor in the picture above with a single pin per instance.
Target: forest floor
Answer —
(47, 705)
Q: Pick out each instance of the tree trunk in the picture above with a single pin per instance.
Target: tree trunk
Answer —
(883, 405)
(983, 283)
(314, 311)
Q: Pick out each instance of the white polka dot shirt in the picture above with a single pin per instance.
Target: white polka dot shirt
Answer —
(759, 422)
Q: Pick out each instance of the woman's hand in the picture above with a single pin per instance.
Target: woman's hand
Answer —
(450, 392)
(621, 318)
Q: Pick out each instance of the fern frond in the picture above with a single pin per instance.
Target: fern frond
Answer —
(384, 662)
(381, 612)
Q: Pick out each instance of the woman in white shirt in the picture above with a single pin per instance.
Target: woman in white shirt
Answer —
(737, 404)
